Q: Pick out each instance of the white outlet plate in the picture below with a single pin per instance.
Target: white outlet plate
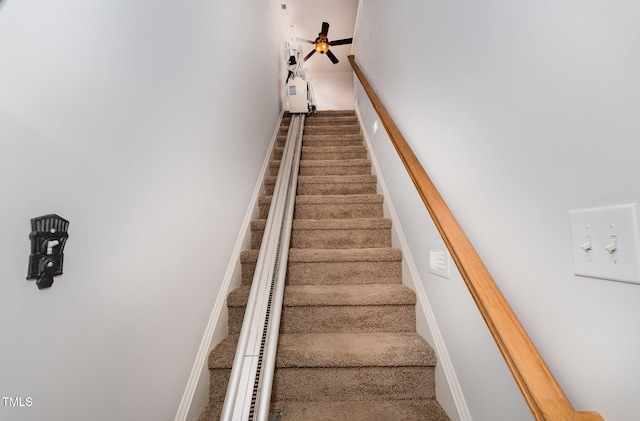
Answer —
(592, 230)
(438, 263)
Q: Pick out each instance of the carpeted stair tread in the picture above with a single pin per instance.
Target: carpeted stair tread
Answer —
(328, 179)
(386, 254)
(345, 184)
(326, 152)
(335, 295)
(326, 113)
(348, 295)
(338, 149)
(334, 266)
(335, 162)
(274, 167)
(339, 350)
(223, 354)
(336, 308)
(331, 152)
(407, 349)
(342, 224)
(339, 206)
(384, 410)
(352, 139)
(332, 224)
(333, 179)
(370, 410)
(355, 166)
(329, 384)
(340, 120)
(212, 411)
(332, 129)
(332, 233)
(328, 167)
(317, 137)
(330, 206)
(321, 199)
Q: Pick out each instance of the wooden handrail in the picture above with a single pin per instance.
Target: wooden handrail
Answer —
(540, 390)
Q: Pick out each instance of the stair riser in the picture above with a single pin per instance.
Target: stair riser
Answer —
(330, 211)
(333, 188)
(331, 113)
(325, 170)
(362, 383)
(331, 384)
(332, 137)
(338, 211)
(328, 121)
(337, 188)
(405, 410)
(330, 129)
(350, 273)
(313, 155)
(331, 142)
(219, 384)
(341, 239)
(318, 154)
(338, 319)
(343, 118)
(274, 167)
(332, 273)
(336, 170)
(323, 140)
(329, 238)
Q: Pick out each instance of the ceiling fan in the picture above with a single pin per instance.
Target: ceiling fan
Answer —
(322, 44)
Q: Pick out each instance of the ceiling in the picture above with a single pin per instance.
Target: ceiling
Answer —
(303, 19)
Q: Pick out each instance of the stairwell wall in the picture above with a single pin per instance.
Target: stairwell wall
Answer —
(333, 91)
(145, 124)
(519, 112)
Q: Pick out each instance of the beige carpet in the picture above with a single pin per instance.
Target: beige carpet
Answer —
(348, 347)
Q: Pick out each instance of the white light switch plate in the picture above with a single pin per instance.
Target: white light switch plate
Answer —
(613, 227)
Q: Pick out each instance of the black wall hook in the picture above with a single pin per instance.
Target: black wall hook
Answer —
(48, 237)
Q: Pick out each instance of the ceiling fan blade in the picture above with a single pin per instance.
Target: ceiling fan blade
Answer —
(341, 41)
(333, 58)
(325, 29)
(309, 55)
(305, 40)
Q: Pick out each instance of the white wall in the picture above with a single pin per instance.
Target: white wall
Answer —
(333, 91)
(145, 124)
(520, 111)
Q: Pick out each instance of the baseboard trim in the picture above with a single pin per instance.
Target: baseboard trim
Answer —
(196, 394)
(424, 316)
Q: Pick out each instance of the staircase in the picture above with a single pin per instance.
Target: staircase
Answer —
(348, 347)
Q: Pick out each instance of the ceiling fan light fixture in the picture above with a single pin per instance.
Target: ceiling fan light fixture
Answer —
(322, 47)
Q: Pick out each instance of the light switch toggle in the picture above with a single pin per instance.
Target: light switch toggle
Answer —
(613, 245)
(51, 244)
(586, 246)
